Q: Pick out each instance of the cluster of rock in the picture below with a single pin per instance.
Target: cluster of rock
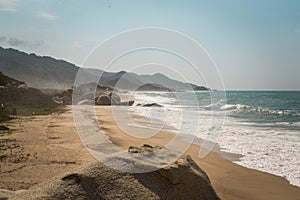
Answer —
(104, 99)
(111, 99)
(183, 179)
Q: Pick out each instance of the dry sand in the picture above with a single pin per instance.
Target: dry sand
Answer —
(54, 148)
(38, 148)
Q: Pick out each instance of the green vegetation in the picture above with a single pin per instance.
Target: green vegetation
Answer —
(4, 80)
(25, 101)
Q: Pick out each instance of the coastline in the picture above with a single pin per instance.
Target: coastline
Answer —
(230, 180)
(60, 150)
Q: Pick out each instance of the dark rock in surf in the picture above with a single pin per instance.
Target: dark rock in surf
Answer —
(151, 105)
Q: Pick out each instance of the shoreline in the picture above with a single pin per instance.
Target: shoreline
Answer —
(59, 150)
(230, 180)
(244, 157)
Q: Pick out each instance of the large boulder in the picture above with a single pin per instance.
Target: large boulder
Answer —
(112, 99)
(180, 180)
(103, 100)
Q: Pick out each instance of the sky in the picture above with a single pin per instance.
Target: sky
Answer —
(254, 44)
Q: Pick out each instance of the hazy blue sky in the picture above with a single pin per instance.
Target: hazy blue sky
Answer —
(255, 43)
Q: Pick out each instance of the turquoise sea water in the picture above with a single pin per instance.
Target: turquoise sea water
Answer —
(263, 126)
(271, 108)
(262, 108)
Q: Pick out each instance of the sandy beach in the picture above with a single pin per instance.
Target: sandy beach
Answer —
(230, 180)
(49, 146)
(39, 148)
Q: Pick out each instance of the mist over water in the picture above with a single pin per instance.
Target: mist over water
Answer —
(262, 126)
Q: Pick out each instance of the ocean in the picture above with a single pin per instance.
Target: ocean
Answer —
(262, 126)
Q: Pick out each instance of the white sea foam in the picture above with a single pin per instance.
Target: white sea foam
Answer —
(273, 151)
(241, 107)
(146, 98)
(276, 151)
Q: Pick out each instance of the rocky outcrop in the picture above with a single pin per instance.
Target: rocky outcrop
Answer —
(87, 98)
(187, 181)
(110, 99)
(180, 180)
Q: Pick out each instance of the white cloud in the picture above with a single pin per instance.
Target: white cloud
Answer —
(16, 42)
(46, 15)
(9, 5)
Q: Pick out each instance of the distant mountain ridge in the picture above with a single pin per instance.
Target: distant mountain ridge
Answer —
(47, 72)
(37, 71)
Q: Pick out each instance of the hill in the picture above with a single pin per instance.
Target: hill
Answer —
(46, 72)
(37, 71)
(16, 95)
